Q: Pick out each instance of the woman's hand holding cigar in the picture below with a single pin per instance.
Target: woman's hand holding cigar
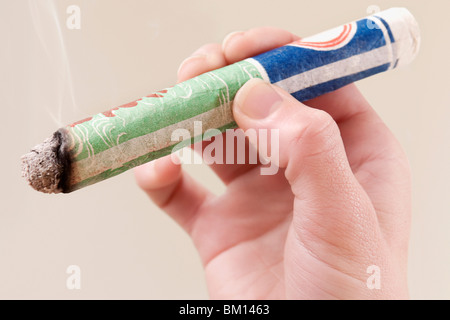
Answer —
(338, 208)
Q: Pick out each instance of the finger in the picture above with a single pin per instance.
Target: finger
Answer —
(230, 157)
(241, 45)
(376, 159)
(359, 123)
(172, 190)
(330, 204)
(206, 58)
(342, 103)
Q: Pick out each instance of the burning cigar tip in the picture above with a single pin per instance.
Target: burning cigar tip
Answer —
(42, 166)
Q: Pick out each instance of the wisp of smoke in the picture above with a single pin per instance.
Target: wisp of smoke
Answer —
(48, 30)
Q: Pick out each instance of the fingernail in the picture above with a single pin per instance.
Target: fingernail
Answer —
(257, 99)
(189, 59)
(228, 37)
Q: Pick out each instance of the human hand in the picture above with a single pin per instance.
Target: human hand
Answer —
(339, 203)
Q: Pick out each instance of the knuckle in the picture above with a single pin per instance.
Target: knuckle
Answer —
(207, 49)
(321, 127)
(320, 135)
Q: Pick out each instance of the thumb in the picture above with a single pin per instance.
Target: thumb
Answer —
(330, 204)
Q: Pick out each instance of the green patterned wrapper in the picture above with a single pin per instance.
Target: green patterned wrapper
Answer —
(112, 142)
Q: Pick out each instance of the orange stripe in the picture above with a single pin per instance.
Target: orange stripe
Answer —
(341, 38)
(344, 31)
(330, 43)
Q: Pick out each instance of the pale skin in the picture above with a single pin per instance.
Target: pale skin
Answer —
(339, 204)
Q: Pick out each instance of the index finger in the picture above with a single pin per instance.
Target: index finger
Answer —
(241, 45)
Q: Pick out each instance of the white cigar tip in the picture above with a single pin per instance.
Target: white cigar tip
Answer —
(406, 32)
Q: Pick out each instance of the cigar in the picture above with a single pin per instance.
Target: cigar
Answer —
(111, 142)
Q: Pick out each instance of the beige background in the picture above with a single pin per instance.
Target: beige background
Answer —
(125, 247)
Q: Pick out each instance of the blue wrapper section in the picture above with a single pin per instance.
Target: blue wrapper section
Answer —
(297, 58)
(317, 90)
